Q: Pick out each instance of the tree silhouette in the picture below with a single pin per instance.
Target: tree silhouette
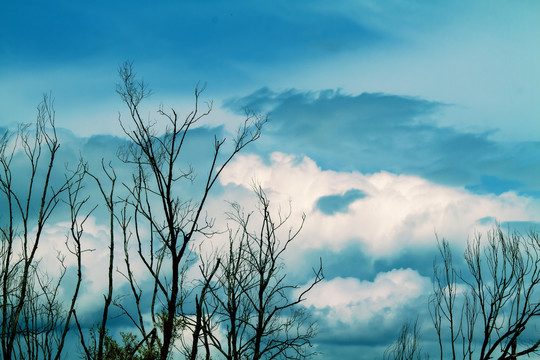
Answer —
(251, 301)
(490, 308)
(33, 322)
(157, 216)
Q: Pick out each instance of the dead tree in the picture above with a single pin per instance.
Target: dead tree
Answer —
(252, 302)
(165, 223)
(407, 346)
(491, 309)
(110, 200)
(34, 324)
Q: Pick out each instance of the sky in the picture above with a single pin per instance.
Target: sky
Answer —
(389, 123)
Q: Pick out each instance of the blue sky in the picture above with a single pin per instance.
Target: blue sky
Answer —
(389, 122)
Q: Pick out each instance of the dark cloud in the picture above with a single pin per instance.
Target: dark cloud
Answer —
(351, 261)
(372, 132)
(417, 258)
(365, 340)
(20, 169)
(354, 261)
(96, 150)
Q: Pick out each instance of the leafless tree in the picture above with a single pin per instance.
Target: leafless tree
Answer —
(110, 200)
(34, 324)
(491, 309)
(407, 345)
(252, 302)
(165, 223)
(160, 215)
(443, 300)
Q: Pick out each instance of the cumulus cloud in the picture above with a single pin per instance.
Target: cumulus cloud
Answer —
(352, 301)
(396, 211)
(353, 313)
(95, 261)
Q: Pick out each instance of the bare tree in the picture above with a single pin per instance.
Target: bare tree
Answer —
(491, 310)
(443, 300)
(33, 322)
(252, 302)
(166, 224)
(407, 345)
(160, 215)
(97, 351)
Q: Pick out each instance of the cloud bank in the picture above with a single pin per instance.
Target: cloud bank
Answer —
(386, 213)
(372, 131)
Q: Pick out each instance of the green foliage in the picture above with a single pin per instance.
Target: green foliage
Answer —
(130, 348)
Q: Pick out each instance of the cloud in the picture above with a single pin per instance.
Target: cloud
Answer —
(350, 300)
(352, 313)
(398, 212)
(95, 262)
(372, 132)
(453, 52)
(197, 151)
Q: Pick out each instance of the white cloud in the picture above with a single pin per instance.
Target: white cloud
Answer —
(399, 211)
(350, 300)
(95, 261)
